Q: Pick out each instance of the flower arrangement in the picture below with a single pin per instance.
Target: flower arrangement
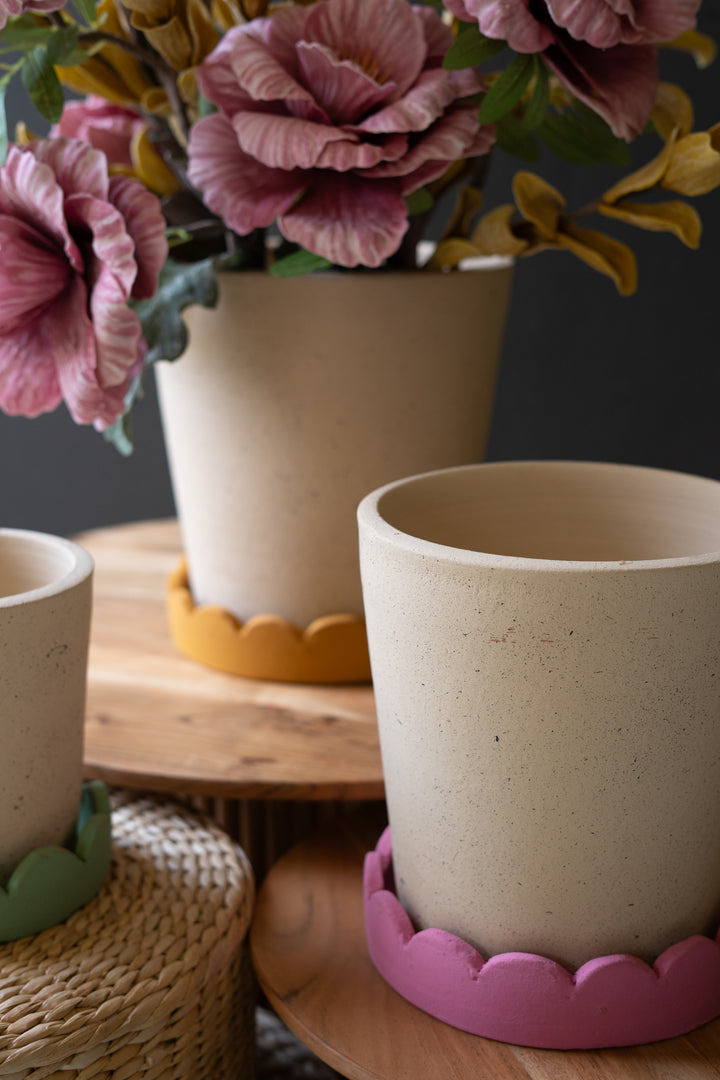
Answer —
(299, 136)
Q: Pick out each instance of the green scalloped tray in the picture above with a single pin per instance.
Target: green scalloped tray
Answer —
(52, 882)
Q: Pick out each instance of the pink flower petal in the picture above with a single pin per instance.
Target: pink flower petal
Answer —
(105, 126)
(258, 72)
(87, 361)
(244, 193)
(438, 36)
(30, 191)
(421, 106)
(145, 223)
(352, 154)
(630, 22)
(344, 90)
(664, 20)
(385, 37)
(285, 142)
(347, 220)
(618, 84)
(217, 80)
(77, 166)
(453, 137)
(108, 240)
(33, 271)
(508, 20)
(28, 382)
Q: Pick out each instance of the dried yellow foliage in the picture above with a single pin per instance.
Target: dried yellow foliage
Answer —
(149, 167)
(673, 111)
(602, 253)
(494, 234)
(539, 202)
(467, 205)
(450, 252)
(113, 74)
(694, 167)
(675, 217)
(649, 176)
(181, 31)
(702, 47)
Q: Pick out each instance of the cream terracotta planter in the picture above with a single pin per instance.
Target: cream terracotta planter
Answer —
(45, 602)
(293, 399)
(545, 646)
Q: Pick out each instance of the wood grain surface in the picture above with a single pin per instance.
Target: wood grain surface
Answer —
(308, 947)
(161, 722)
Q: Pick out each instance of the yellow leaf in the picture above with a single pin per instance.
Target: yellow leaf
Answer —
(602, 253)
(538, 201)
(23, 134)
(701, 46)
(649, 176)
(694, 168)
(156, 101)
(467, 205)
(673, 111)
(450, 252)
(188, 88)
(149, 166)
(170, 39)
(95, 77)
(675, 217)
(203, 35)
(153, 11)
(494, 235)
(226, 14)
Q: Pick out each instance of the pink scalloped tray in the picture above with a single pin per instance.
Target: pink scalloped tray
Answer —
(531, 1000)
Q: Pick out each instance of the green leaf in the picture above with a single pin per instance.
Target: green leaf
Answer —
(537, 107)
(164, 330)
(514, 139)
(86, 8)
(419, 202)
(181, 284)
(300, 262)
(471, 48)
(23, 33)
(205, 107)
(43, 85)
(120, 434)
(580, 136)
(62, 44)
(507, 89)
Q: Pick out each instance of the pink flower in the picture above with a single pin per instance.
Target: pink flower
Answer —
(10, 8)
(328, 116)
(603, 51)
(105, 126)
(76, 246)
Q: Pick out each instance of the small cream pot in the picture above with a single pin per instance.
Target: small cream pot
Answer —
(45, 606)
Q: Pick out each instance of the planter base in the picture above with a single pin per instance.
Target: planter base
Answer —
(531, 1000)
(332, 649)
(52, 882)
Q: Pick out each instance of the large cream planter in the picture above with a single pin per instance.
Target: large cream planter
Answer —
(45, 604)
(545, 647)
(294, 398)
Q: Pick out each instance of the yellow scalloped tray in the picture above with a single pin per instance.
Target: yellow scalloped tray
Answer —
(332, 649)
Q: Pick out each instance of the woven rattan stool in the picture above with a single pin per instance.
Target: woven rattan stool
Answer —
(150, 980)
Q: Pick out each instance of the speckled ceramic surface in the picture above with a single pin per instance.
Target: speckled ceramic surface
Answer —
(45, 604)
(295, 398)
(545, 646)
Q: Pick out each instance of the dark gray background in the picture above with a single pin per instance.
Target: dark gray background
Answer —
(586, 374)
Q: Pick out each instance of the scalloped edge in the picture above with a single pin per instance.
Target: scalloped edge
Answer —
(332, 649)
(531, 1000)
(52, 882)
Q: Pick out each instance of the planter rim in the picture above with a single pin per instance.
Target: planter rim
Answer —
(370, 517)
(76, 564)
(476, 264)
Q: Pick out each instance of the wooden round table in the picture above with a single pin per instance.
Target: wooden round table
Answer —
(308, 948)
(267, 759)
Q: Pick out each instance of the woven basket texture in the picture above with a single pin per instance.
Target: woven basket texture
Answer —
(151, 979)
